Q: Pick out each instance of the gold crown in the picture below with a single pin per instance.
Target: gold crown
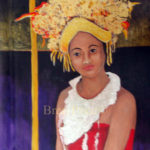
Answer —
(60, 20)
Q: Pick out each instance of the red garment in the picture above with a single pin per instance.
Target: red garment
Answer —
(103, 130)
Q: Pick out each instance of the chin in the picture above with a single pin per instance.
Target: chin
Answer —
(89, 74)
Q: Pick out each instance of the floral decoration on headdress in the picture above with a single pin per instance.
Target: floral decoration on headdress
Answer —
(50, 19)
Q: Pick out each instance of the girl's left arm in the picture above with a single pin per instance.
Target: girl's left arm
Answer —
(123, 120)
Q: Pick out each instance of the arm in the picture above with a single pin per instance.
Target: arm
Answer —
(123, 119)
(59, 108)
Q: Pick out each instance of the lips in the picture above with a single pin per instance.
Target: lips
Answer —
(88, 67)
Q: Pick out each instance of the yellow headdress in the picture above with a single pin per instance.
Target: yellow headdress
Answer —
(60, 20)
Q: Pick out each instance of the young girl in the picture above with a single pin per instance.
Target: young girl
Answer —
(94, 112)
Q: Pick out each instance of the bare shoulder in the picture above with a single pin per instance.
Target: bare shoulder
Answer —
(64, 93)
(62, 96)
(125, 99)
(125, 108)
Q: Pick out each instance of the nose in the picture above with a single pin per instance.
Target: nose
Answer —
(86, 58)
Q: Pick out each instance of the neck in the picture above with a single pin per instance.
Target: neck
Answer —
(90, 87)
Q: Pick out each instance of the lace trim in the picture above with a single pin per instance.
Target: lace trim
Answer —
(96, 137)
(96, 141)
(79, 114)
(84, 143)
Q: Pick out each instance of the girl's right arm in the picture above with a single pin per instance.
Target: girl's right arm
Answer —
(59, 145)
(59, 108)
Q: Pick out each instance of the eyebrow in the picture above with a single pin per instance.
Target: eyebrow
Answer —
(93, 45)
(76, 48)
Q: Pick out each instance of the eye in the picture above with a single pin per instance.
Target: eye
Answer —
(76, 54)
(93, 50)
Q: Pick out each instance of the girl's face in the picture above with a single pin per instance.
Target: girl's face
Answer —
(87, 54)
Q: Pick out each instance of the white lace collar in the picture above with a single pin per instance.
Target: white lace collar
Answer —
(79, 114)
